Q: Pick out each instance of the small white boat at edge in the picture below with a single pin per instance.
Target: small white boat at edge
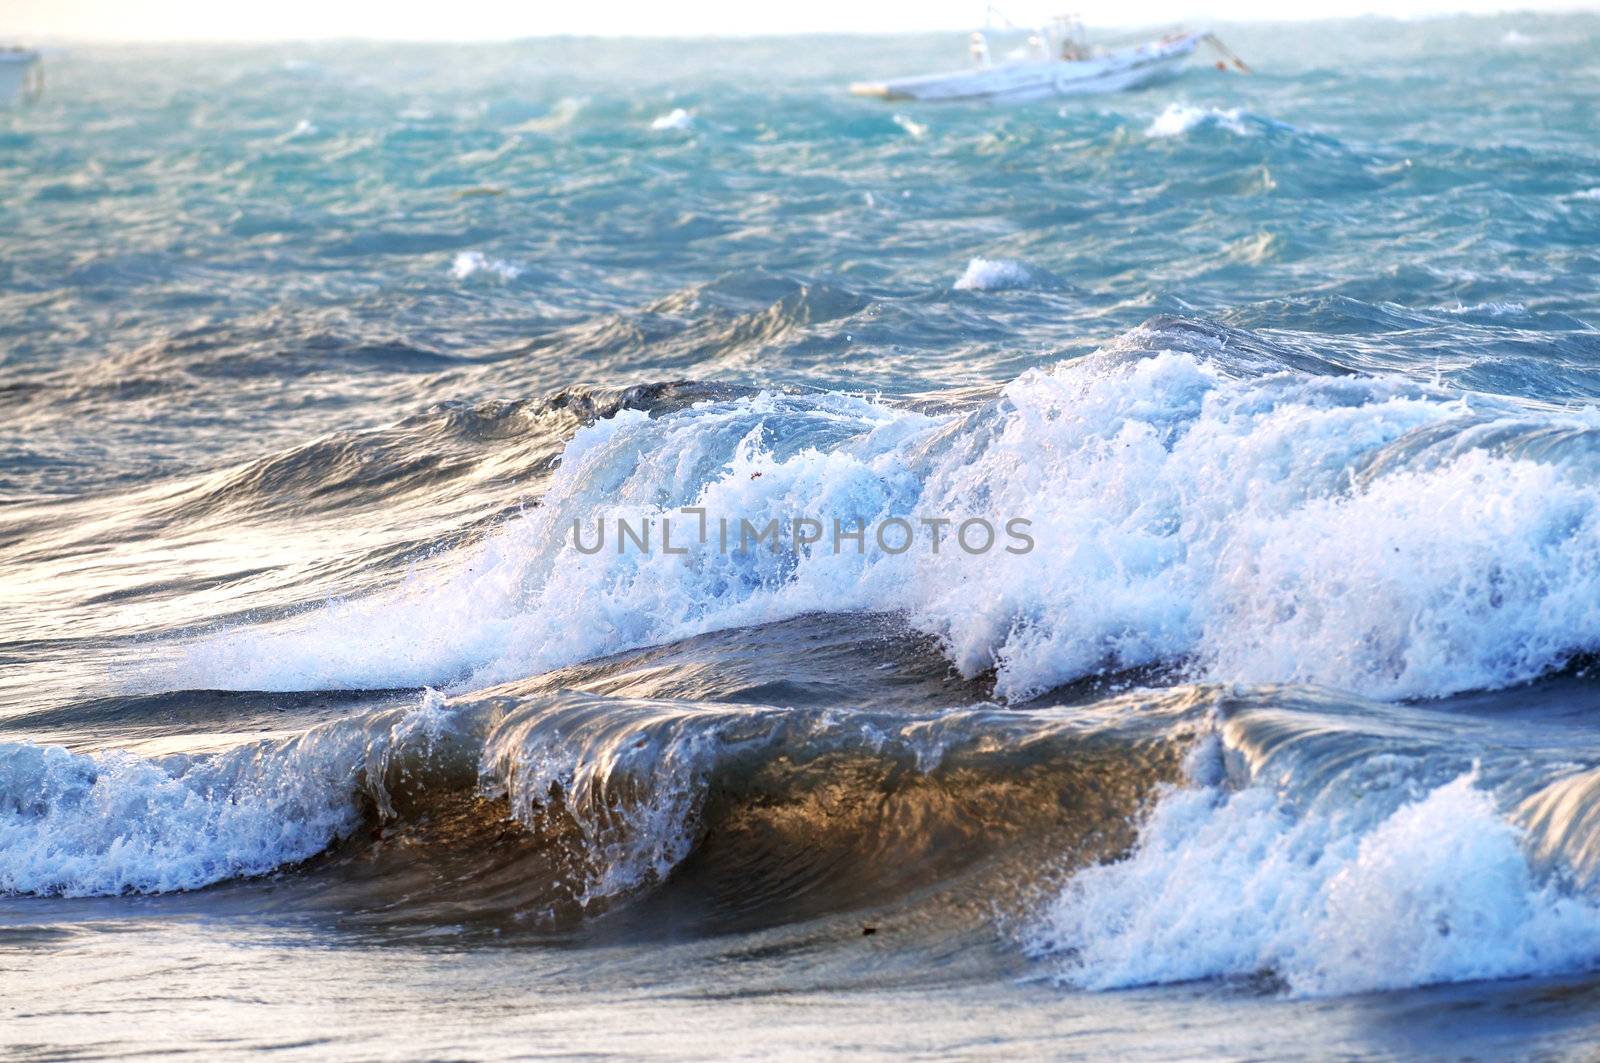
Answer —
(21, 75)
(1054, 64)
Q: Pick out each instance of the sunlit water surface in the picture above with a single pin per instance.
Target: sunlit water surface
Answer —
(318, 733)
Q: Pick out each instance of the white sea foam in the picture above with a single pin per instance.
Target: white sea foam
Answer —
(677, 118)
(472, 263)
(81, 824)
(1491, 309)
(915, 129)
(1181, 512)
(1236, 884)
(996, 274)
(1180, 118)
(94, 824)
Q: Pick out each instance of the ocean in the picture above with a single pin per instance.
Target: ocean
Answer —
(1259, 727)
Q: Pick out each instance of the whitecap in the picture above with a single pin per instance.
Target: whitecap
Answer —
(916, 130)
(676, 119)
(1180, 118)
(998, 274)
(471, 263)
(1489, 309)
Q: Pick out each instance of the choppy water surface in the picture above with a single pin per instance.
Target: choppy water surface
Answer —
(320, 734)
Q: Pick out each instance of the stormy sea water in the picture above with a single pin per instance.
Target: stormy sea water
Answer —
(319, 732)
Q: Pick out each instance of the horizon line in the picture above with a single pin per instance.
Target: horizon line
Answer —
(50, 40)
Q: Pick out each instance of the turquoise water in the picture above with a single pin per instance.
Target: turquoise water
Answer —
(320, 732)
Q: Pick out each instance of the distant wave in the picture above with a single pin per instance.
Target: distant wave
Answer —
(471, 263)
(1486, 309)
(1180, 118)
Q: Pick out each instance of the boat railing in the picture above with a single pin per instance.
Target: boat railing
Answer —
(1160, 33)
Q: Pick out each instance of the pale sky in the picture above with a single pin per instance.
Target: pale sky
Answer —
(501, 19)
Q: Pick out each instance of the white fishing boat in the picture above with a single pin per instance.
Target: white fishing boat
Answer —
(21, 75)
(1055, 62)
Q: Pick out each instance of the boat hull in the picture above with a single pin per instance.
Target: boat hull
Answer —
(19, 76)
(1116, 71)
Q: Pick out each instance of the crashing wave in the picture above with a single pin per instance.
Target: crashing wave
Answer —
(615, 791)
(1246, 521)
(1327, 871)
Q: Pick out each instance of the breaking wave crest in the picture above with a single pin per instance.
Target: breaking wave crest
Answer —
(1330, 870)
(1298, 840)
(612, 794)
(1248, 514)
(1237, 885)
(1002, 274)
(1180, 118)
